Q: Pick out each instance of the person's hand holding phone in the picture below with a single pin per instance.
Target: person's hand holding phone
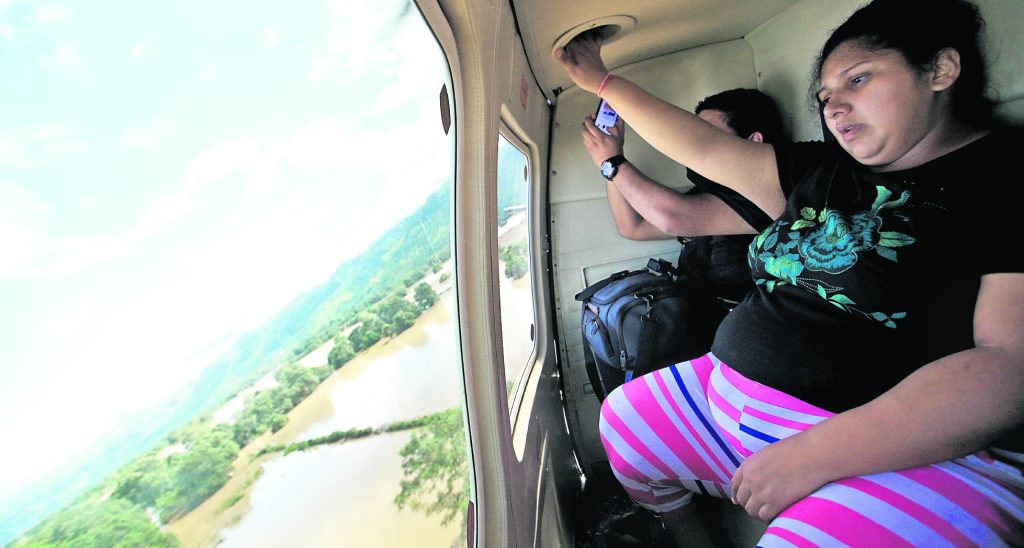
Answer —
(602, 145)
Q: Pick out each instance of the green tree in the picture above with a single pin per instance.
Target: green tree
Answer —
(277, 422)
(367, 333)
(514, 255)
(516, 267)
(198, 472)
(393, 306)
(425, 295)
(113, 523)
(297, 382)
(258, 414)
(402, 321)
(341, 353)
(435, 476)
(142, 480)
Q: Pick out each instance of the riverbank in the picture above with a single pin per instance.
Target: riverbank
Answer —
(408, 376)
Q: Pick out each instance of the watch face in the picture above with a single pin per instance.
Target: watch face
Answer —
(610, 166)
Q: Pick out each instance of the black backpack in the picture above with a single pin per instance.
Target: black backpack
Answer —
(635, 322)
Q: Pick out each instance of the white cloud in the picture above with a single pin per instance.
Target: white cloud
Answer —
(141, 49)
(27, 146)
(420, 75)
(419, 69)
(222, 159)
(208, 74)
(151, 136)
(323, 144)
(51, 14)
(19, 245)
(28, 250)
(22, 221)
(7, 32)
(267, 37)
(65, 58)
(258, 161)
(360, 39)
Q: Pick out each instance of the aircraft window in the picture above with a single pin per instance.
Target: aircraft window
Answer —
(514, 263)
(225, 263)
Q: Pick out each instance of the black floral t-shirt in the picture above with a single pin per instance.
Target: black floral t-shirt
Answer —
(868, 276)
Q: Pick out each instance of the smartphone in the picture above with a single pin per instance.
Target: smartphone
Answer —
(605, 116)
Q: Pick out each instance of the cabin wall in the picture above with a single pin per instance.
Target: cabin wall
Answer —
(1004, 46)
(784, 58)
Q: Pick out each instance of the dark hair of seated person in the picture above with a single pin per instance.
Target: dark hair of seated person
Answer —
(746, 111)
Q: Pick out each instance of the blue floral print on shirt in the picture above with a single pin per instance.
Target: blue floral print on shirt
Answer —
(831, 242)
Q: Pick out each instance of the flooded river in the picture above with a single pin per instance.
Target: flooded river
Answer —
(341, 495)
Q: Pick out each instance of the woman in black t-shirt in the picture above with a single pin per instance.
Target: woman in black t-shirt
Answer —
(865, 392)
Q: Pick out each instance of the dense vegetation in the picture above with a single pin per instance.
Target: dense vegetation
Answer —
(113, 523)
(516, 262)
(350, 434)
(435, 470)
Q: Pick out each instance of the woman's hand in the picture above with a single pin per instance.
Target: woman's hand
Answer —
(581, 58)
(775, 477)
(911, 424)
(599, 144)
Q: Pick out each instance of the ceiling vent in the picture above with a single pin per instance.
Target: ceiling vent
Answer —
(610, 28)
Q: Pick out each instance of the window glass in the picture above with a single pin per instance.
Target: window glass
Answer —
(225, 263)
(514, 264)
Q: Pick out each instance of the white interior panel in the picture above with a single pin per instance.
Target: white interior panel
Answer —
(785, 48)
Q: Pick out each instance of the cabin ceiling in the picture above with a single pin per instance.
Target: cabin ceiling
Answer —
(658, 27)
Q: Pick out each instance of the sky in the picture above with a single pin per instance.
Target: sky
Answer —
(172, 174)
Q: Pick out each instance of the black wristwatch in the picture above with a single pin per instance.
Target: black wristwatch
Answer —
(610, 166)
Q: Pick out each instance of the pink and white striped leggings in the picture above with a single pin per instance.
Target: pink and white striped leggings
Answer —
(686, 428)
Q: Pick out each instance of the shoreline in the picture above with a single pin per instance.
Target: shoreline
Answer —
(203, 526)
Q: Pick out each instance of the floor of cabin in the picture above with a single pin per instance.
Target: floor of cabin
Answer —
(607, 518)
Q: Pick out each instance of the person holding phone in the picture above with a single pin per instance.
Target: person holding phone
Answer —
(712, 221)
(870, 390)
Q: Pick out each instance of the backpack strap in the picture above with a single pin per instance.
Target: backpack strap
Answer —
(591, 365)
(590, 290)
(645, 342)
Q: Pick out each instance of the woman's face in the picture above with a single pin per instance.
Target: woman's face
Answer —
(881, 109)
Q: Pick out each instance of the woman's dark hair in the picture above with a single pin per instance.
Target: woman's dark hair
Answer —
(747, 111)
(918, 29)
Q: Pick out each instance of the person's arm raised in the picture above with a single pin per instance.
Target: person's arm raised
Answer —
(745, 166)
(644, 209)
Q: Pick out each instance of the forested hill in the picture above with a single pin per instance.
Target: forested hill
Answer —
(395, 261)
